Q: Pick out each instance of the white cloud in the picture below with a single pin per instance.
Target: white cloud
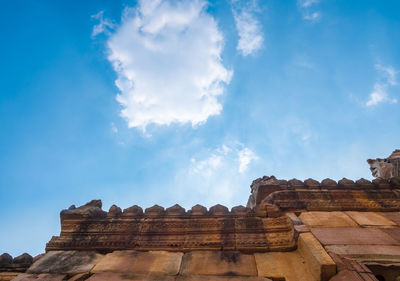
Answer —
(307, 10)
(248, 26)
(387, 78)
(104, 25)
(236, 155)
(245, 157)
(307, 3)
(167, 55)
(217, 176)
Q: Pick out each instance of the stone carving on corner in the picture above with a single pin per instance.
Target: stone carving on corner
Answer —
(386, 168)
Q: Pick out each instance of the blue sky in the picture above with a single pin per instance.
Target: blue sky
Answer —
(164, 102)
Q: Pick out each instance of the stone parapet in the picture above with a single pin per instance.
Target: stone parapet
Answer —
(327, 195)
(248, 230)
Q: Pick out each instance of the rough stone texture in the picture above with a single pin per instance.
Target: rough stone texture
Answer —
(350, 270)
(393, 216)
(370, 219)
(367, 253)
(109, 276)
(291, 266)
(80, 277)
(40, 277)
(218, 263)
(175, 230)
(321, 264)
(91, 209)
(65, 262)
(133, 262)
(386, 168)
(327, 219)
(220, 278)
(18, 264)
(7, 276)
(353, 236)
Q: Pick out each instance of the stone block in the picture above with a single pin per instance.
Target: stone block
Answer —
(370, 219)
(7, 276)
(321, 264)
(385, 253)
(66, 262)
(394, 233)
(40, 277)
(218, 263)
(289, 266)
(393, 216)
(220, 278)
(347, 275)
(80, 277)
(133, 262)
(327, 219)
(353, 236)
(110, 276)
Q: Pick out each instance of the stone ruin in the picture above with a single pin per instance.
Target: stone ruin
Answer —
(289, 231)
(386, 168)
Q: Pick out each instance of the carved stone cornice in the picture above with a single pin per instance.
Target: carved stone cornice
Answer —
(89, 228)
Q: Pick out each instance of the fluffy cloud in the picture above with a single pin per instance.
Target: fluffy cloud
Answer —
(307, 10)
(387, 78)
(167, 55)
(249, 28)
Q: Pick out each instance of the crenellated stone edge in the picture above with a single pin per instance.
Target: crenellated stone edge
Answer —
(93, 209)
(344, 183)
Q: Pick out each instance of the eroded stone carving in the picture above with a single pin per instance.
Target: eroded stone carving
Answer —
(174, 229)
(386, 168)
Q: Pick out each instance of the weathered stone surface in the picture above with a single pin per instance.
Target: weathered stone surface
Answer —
(133, 262)
(370, 219)
(291, 266)
(23, 259)
(383, 253)
(351, 270)
(394, 233)
(327, 219)
(110, 276)
(91, 209)
(312, 184)
(80, 277)
(154, 211)
(134, 211)
(40, 277)
(346, 183)
(198, 210)
(175, 211)
(353, 236)
(218, 263)
(176, 230)
(386, 168)
(18, 264)
(320, 263)
(7, 276)
(295, 183)
(66, 262)
(115, 211)
(393, 216)
(328, 183)
(239, 210)
(220, 278)
(218, 210)
(5, 260)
